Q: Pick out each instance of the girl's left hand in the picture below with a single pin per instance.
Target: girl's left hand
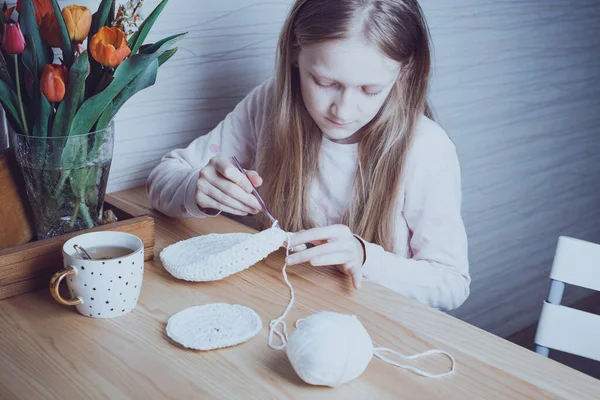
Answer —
(334, 245)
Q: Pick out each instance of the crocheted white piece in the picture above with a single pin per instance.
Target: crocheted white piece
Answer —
(215, 256)
(213, 326)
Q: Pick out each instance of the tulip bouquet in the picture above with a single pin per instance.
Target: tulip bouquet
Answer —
(61, 111)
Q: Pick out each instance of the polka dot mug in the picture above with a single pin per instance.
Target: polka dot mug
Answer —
(107, 285)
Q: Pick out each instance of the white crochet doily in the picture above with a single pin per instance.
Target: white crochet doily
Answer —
(213, 326)
(216, 256)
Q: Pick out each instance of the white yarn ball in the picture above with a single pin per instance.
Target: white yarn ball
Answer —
(329, 349)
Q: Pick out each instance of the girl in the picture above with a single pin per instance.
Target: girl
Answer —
(344, 150)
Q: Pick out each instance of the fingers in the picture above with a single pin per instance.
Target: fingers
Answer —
(229, 188)
(326, 255)
(320, 235)
(226, 169)
(298, 248)
(339, 260)
(220, 198)
(309, 254)
(204, 201)
(357, 276)
(254, 178)
(329, 259)
(355, 273)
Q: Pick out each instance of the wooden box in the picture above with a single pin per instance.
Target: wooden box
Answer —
(30, 266)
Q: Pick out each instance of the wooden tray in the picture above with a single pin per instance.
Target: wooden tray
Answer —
(29, 267)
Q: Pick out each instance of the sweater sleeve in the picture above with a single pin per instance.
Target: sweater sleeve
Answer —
(171, 186)
(437, 270)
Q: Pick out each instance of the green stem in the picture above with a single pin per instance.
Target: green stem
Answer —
(74, 216)
(85, 213)
(15, 58)
(64, 175)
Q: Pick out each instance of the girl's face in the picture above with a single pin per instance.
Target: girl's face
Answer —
(344, 84)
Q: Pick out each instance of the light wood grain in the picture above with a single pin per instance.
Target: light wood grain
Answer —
(49, 351)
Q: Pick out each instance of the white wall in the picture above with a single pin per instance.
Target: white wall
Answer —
(517, 88)
(515, 85)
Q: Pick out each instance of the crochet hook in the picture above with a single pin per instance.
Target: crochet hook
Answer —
(255, 193)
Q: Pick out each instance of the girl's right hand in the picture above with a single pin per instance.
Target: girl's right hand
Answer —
(221, 186)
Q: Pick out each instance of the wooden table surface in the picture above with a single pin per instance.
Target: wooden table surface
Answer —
(49, 351)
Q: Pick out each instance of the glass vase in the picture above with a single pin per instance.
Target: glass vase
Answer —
(65, 179)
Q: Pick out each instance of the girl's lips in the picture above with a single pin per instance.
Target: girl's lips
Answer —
(337, 123)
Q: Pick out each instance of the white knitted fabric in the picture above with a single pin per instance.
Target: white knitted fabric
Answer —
(216, 256)
(213, 326)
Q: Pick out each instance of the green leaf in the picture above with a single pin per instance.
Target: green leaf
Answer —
(5, 73)
(137, 39)
(10, 102)
(164, 57)
(144, 79)
(100, 18)
(159, 45)
(111, 15)
(91, 110)
(9, 66)
(43, 117)
(29, 26)
(29, 56)
(93, 78)
(5, 77)
(67, 48)
(72, 153)
(70, 104)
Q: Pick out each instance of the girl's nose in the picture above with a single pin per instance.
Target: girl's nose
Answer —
(343, 107)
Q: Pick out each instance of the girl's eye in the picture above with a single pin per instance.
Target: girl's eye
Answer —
(371, 93)
(323, 85)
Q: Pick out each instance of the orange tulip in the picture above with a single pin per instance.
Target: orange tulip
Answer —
(8, 13)
(41, 8)
(50, 30)
(109, 46)
(78, 20)
(53, 83)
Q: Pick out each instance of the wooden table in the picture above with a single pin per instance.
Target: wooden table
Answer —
(48, 351)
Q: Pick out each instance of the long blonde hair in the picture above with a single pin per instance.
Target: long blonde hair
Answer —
(288, 154)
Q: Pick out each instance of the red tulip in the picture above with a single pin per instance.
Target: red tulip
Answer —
(13, 41)
(50, 30)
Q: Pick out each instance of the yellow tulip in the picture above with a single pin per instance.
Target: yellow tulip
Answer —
(78, 20)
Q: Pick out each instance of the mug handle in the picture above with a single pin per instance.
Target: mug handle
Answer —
(55, 283)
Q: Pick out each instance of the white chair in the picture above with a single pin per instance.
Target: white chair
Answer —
(576, 262)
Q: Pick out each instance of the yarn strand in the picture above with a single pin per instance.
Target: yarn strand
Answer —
(379, 350)
(274, 324)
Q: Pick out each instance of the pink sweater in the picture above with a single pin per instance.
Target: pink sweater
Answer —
(429, 262)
